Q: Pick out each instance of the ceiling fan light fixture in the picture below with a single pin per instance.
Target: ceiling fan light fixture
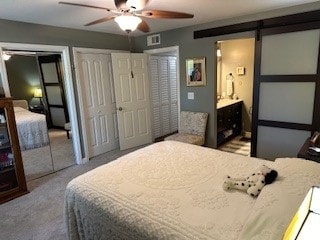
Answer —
(136, 4)
(128, 22)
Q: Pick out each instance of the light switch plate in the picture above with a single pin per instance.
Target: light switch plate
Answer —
(191, 95)
(240, 70)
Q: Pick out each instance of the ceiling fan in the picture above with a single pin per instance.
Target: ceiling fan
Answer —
(129, 12)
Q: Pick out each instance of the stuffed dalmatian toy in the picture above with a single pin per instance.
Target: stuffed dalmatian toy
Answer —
(252, 184)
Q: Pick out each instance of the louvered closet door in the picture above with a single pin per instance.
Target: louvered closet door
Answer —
(287, 89)
(164, 95)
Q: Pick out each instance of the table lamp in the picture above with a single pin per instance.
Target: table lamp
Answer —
(38, 94)
(305, 224)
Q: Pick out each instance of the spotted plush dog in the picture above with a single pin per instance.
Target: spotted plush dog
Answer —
(252, 184)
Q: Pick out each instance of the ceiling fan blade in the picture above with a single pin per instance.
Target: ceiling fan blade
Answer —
(84, 5)
(120, 4)
(165, 14)
(101, 20)
(143, 26)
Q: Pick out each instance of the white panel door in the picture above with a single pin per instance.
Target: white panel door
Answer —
(131, 83)
(99, 102)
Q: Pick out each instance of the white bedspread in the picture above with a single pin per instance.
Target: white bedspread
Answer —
(172, 190)
(32, 129)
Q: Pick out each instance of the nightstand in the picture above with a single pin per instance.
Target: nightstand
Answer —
(303, 153)
(37, 109)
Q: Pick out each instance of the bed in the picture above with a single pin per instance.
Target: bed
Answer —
(31, 127)
(173, 190)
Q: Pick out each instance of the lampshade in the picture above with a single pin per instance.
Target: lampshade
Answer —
(305, 223)
(37, 93)
(128, 23)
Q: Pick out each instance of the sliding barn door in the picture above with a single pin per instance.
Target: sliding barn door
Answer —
(286, 92)
(52, 82)
(163, 74)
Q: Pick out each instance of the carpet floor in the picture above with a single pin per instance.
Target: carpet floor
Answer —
(56, 156)
(38, 215)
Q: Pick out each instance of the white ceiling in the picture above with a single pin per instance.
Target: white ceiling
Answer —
(49, 12)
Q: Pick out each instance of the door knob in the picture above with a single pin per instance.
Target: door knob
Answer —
(120, 108)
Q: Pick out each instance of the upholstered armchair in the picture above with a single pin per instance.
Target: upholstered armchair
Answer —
(192, 128)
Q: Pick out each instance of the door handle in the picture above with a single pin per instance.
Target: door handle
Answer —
(120, 108)
(99, 111)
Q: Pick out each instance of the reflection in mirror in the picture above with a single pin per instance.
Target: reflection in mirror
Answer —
(49, 147)
(37, 162)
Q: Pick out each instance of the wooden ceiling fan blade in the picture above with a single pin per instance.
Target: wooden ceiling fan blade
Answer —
(101, 20)
(143, 26)
(165, 14)
(84, 5)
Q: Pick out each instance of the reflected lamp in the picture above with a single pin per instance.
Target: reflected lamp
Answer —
(38, 94)
(305, 224)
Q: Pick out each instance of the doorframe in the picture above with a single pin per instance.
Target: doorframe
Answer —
(220, 38)
(68, 82)
(76, 51)
(166, 50)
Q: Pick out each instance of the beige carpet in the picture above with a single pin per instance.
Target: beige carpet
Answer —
(38, 215)
(41, 161)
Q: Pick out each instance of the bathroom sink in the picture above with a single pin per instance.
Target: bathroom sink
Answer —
(226, 102)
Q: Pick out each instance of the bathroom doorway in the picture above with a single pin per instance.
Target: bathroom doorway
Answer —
(235, 74)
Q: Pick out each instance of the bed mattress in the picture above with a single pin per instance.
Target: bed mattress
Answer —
(173, 190)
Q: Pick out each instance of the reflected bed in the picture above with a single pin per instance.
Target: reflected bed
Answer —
(31, 127)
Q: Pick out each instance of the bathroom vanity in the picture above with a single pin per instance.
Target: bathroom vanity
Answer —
(229, 118)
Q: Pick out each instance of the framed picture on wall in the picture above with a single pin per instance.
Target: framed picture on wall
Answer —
(196, 71)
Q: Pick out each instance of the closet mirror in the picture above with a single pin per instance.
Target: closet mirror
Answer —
(36, 85)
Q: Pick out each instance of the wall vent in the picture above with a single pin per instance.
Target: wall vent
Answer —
(153, 40)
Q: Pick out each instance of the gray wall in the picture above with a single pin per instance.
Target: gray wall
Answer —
(19, 32)
(23, 76)
(204, 97)
(237, 53)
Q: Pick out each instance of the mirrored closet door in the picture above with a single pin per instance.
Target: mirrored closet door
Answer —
(41, 113)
